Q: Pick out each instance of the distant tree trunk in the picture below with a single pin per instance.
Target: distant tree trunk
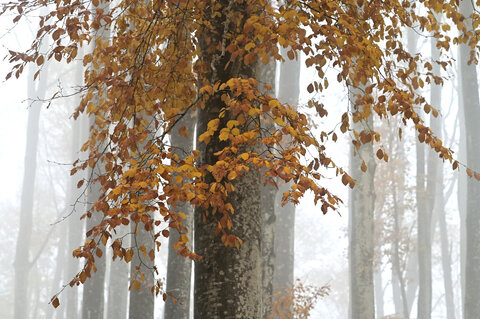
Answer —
(228, 281)
(361, 226)
(424, 301)
(266, 75)
(141, 304)
(436, 188)
(93, 288)
(179, 269)
(471, 108)
(22, 263)
(446, 256)
(75, 226)
(462, 157)
(288, 92)
(396, 256)
(117, 307)
(379, 305)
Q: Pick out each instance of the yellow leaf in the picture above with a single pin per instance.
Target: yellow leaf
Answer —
(182, 215)
(244, 156)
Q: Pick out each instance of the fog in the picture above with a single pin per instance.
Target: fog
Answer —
(417, 204)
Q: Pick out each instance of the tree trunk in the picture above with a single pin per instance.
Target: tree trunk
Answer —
(141, 304)
(117, 289)
(266, 75)
(288, 92)
(93, 288)
(471, 108)
(379, 305)
(179, 269)
(22, 263)
(361, 228)
(228, 280)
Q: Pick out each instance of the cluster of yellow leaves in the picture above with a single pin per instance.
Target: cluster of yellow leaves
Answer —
(148, 69)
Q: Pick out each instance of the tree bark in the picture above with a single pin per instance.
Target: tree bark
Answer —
(361, 228)
(471, 108)
(228, 281)
(179, 269)
(266, 75)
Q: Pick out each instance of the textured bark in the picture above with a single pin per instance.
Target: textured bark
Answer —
(227, 280)
(266, 75)
(471, 108)
(288, 92)
(361, 230)
(22, 263)
(179, 269)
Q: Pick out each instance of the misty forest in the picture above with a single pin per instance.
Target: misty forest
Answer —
(240, 159)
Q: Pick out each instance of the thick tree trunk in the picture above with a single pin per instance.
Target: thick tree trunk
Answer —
(179, 269)
(471, 108)
(228, 280)
(117, 306)
(22, 263)
(361, 229)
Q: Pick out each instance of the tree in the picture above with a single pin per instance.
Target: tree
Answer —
(361, 211)
(471, 109)
(146, 85)
(23, 263)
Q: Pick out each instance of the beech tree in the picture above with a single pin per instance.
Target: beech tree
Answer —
(166, 59)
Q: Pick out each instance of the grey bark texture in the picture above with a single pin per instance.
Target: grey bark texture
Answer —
(179, 269)
(471, 108)
(361, 228)
(117, 289)
(228, 281)
(22, 263)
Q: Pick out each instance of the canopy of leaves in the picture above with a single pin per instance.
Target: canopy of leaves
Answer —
(146, 70)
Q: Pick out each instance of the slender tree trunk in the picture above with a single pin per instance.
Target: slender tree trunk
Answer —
(396, 258)
(266, 75)
(471, 108)
(179, 268)
(361, 228)
(378, 286)
(288, 92)
(93, 289)
(141, 304)
(228, 281)
(22, 263)
(117, 307)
